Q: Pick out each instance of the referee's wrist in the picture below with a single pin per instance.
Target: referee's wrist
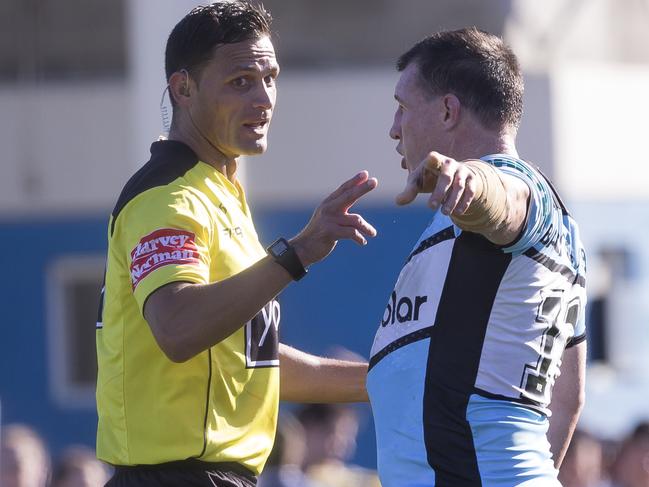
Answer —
(301, 251)
(284, 254)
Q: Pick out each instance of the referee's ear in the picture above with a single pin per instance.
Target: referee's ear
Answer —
(180, 89)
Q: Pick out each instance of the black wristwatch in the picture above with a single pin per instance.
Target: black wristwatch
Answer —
(284, 254)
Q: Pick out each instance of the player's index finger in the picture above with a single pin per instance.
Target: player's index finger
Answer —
(409, 193)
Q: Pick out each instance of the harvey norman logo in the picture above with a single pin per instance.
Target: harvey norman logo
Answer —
(165, 246)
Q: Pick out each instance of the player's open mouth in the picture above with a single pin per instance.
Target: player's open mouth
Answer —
(258, 127)
(258, 124)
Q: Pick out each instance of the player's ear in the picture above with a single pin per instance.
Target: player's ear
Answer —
(180, 87)
(450, 110)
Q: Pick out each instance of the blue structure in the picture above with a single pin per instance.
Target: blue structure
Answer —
(339, 303)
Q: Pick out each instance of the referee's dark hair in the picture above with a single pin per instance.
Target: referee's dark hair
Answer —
(477, 67)
(192, 41)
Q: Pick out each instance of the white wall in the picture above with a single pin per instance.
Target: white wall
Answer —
(601, 130)
(330, 124)
(64, 147)
(150, 23)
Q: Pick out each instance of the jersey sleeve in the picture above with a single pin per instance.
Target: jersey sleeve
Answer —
(579, 262)
(166, 239)
(580, 328)
(543, 214)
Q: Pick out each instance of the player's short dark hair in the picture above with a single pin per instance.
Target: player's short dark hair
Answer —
(192, 41)
(477, 67)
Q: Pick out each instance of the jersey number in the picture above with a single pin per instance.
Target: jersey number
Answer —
(560, 320)
(262, 337)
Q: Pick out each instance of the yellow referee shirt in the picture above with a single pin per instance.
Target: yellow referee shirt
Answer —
(178, 219)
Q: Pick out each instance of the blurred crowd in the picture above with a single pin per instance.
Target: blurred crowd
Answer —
(592, 462)
(313, 448)
(25, 462)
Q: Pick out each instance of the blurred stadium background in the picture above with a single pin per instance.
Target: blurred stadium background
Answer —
(80, 87)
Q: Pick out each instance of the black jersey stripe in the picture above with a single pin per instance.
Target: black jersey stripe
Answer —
(564, 209)
(554, 266)
(415, 336)
(446, 234)
(207, 402)
(475, 271)
(576, 340)
(170, 160)
(520, 400)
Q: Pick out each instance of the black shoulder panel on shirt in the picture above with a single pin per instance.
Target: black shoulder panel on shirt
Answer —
(170, 160)
(563, 207)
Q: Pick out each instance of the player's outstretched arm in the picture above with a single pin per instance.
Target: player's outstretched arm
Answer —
(189, 318)
(308, 378)
(567, 401)
(477, 196)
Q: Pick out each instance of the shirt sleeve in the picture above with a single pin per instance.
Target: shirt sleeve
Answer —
(166, 239)
(580, 322)
(543, 213)
(579, 287)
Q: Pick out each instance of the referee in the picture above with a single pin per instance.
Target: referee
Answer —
(187, 335)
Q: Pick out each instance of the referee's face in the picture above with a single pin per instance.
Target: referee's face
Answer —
(418, 121)
(235, 97)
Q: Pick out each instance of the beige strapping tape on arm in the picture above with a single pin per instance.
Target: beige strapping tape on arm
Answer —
(488, 210)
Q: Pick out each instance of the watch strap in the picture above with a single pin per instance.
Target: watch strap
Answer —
(284, 254)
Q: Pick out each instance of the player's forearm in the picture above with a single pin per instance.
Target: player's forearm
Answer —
(311, 379)
(562, 425)
(189, 318)
(499, 207)
(568, 397)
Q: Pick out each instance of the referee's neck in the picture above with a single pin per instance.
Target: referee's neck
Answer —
(206, 151)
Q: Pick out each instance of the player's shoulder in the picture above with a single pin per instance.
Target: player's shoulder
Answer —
(529, 172)
(522, 169)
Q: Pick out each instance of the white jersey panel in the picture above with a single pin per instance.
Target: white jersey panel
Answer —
(413, 303)
(526, 334)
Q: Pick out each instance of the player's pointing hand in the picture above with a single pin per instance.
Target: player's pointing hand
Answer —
(449, 182)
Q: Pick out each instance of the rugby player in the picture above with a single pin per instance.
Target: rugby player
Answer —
(483, 334)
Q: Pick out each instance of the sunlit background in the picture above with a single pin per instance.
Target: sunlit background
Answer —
(80, 89)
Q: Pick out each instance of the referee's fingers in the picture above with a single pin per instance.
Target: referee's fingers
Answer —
(350, 183)
(351, 194)
(358, 222)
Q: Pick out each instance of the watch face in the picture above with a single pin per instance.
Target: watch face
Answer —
(280, 247)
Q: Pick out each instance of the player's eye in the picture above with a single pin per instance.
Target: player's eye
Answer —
(270, 79)
(240, 82)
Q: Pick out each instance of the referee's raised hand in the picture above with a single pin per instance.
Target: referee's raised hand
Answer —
(331, 221)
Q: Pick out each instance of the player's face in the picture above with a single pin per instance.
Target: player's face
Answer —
(417, 121)
(235, 97)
